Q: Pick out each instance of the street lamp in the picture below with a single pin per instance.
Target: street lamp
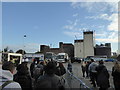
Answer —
(23, 45)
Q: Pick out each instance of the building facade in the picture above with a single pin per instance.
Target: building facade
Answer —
(78, 47)
(88, 44)
(45, 48)
(103, 49)
(68, 48)
(63, 48)
(85, 47)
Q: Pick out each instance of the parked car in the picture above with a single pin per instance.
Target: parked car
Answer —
(86, 59)
(75, 59)
(110, 60)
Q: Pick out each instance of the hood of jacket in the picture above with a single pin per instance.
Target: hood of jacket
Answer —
(5, 75)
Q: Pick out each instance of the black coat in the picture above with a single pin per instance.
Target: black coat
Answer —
(24, 79)
(116, 75)
(32, 66)
(116, 78)
(60, 70)
(48, 82)
(83, 68)
(102, 76)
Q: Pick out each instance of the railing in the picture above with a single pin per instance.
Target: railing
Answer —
(75, 82)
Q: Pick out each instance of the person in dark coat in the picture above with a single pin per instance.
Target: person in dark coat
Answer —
(69, 67)
(25, 63)
(38, 70)
(102, 76)
(23, 77)
(32, 66)
(116, 75)
(49, 80)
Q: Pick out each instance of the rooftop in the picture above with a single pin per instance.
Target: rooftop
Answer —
(81, 40)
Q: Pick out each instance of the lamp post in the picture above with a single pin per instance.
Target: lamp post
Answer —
(23, 45)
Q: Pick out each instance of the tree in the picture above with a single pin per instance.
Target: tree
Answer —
(38, 52)
(101, 44)
(11, 51)
(6, 49)
(21, 51)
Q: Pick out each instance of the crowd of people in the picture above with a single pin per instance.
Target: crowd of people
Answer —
(39, 75)
(99, 75)
(50, 75)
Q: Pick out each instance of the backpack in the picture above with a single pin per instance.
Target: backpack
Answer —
(5, 84)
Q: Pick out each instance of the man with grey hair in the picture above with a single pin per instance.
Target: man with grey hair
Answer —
(93, 72)
(6, 77)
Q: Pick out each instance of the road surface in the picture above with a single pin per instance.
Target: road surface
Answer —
(78, 73)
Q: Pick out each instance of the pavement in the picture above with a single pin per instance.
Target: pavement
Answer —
(77, 72)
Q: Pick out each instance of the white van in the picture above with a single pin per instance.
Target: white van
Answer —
(62, 57)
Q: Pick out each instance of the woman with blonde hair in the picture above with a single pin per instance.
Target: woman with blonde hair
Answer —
(116, 75)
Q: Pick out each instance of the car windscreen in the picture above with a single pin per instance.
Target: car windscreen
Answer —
(60, 57)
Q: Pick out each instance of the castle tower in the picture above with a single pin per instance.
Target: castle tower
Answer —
(78, 48)
(88, 44)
